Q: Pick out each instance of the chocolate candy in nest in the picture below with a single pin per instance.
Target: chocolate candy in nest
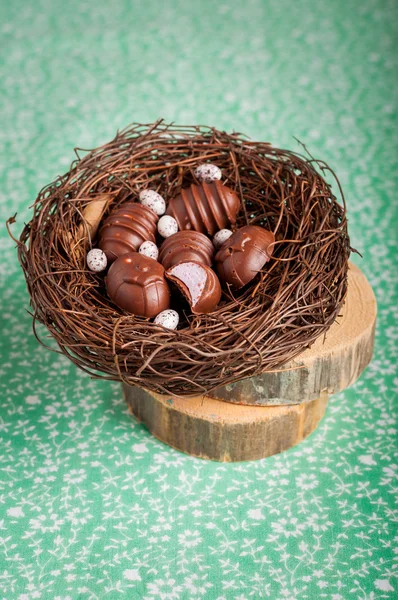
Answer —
(198, 283)
(186, 246)
(137, 284)
(207, 207)
(244, 254)
(126, 229)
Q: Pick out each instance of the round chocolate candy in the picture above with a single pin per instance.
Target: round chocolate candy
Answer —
(207, 208)
(185, 246)
(137, 284)
(244, 254)
(198, 283)
(126, 229)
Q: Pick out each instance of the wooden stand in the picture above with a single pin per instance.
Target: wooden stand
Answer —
(247, 420)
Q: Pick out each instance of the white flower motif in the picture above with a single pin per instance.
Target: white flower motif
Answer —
(15, 511)
(33, 399)
(307, 481)
(367, 459)
(132, 575)
(189, 539)
(384, 585)
(197, 585)
(164, 590)
(140, 448)
(288, 528)
(75, 476)
(256, 514)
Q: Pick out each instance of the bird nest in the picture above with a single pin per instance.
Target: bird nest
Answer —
(260, 328)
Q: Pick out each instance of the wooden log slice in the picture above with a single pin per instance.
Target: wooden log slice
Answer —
(331, 364)
(216, 430)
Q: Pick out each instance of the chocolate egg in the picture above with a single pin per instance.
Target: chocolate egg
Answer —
(198, 283)
(137, 284)
(126, 229)
(207, 208)
(244, 254)
(185, 246)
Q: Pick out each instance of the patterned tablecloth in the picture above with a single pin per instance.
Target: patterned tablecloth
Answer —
(91, 506)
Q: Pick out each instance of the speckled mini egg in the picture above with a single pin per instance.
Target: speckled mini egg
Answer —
(207, 173)
(149, 249)
(168, 319)
(153, 200)
(167, 226)
(221, 236)
(96, 260)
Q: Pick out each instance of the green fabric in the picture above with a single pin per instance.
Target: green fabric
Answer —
(91, 506)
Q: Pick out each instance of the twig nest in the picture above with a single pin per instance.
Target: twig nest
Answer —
(153, 200)
(268, 322)
(96, 260)
(168, 319)
(221, 236)
(149, 249)
(167, 226)
(207, 173)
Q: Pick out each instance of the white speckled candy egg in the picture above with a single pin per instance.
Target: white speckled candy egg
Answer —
(167, 226)
(149, 249)
(96, 260)
(154, 201)
(221, 236)
(207, 173)
(167, 318)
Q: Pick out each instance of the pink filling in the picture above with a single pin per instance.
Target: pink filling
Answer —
(193, 276)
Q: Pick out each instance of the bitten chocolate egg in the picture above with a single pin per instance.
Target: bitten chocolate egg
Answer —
(126, 229)
(185, 246)
(198, 283)
(137, 284)
(244, 254)
(207, 208)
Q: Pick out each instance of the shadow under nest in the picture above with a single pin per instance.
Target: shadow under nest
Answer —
(270, 321)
